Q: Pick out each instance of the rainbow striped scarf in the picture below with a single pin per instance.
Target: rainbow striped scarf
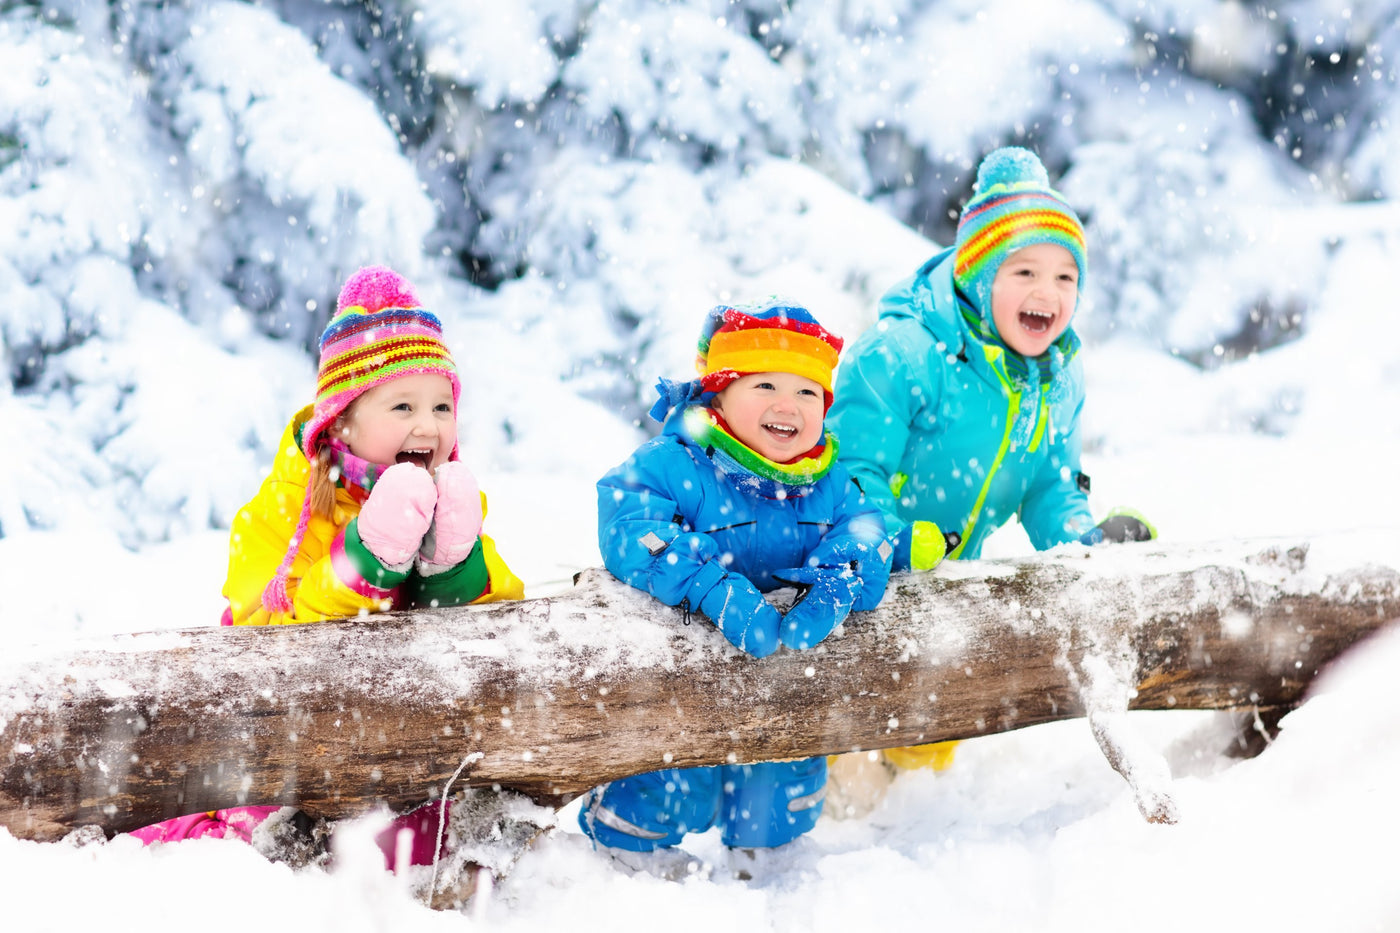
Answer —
(346, 468)
(750, 469)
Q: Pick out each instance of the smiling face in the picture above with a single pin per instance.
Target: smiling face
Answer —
(408, 420)
(1033, 297)
(778, 415)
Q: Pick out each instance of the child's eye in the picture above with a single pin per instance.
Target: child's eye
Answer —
(403, 406)
(806, 392)
(444, 407)
(764, 385)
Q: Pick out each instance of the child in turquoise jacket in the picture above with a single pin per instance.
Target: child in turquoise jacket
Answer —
(961, 406)
(739, 495)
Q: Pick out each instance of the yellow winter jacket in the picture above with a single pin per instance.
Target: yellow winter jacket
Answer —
(329, 578)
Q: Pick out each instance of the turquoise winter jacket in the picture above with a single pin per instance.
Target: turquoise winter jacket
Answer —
(934, 429)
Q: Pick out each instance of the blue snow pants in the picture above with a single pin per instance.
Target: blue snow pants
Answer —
(756, 806)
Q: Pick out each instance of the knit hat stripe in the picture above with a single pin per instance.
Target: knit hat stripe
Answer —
(738, 320)
(358, 383)
(366, 360)
(769, 349)
(355, 320)
(999, 235)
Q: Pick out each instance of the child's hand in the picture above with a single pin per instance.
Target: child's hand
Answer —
(928, 545)
(397, 514)
(456, 520)
(1120, 526)
(830, 593)
(922, 546)
(739, 610)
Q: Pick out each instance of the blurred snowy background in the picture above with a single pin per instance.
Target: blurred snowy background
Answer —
(571, 184)
(183, 187)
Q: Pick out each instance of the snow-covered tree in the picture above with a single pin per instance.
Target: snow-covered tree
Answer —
(572, 183)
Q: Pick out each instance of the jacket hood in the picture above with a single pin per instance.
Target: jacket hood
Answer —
(927, 297)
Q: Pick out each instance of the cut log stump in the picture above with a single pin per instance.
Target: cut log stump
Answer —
(552, 696)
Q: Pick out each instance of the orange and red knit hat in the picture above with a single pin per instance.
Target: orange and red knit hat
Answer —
(774, 336)
(1012, 206)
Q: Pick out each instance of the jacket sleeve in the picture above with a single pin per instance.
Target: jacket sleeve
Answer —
(857, 537)
(879, 394)
(482, 578)
(1055, 509)
(641, 528)
(332, 576)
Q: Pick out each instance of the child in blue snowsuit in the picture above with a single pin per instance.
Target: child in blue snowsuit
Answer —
(740, 494)
(960, 407)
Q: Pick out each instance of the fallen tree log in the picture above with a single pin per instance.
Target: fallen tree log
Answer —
(552, 696)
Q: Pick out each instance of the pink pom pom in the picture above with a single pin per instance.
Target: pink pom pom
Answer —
(375, 288)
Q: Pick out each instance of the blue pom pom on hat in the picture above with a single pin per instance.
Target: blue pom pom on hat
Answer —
(1012, 206)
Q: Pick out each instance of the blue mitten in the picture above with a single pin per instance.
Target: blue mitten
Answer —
(1120, 526)
(828, 594)
(743, 615)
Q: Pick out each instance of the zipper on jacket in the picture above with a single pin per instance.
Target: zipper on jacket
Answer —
(1014, 407)
(1042, 424)
(1042, 420)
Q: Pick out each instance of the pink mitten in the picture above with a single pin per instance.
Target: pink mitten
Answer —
(456, 521)
(397, 514)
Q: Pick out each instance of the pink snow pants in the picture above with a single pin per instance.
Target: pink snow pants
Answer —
(239, 823)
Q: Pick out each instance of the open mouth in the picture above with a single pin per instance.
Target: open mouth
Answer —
(1036, 322)
(782, 432)
(422, 458)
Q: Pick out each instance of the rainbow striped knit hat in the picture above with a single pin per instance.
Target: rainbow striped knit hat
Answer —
(1012, 206)
(773, 336)
(379, 332)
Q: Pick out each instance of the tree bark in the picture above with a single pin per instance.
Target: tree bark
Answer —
(552, 696)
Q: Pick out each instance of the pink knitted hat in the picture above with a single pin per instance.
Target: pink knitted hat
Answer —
(379, 333)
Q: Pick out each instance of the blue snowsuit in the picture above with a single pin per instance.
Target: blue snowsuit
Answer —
(935, 427)
(675, 520)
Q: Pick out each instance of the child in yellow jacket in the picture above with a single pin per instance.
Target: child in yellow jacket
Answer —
(367, 507)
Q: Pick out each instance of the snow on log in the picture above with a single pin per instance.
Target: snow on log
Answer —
(551, 696)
